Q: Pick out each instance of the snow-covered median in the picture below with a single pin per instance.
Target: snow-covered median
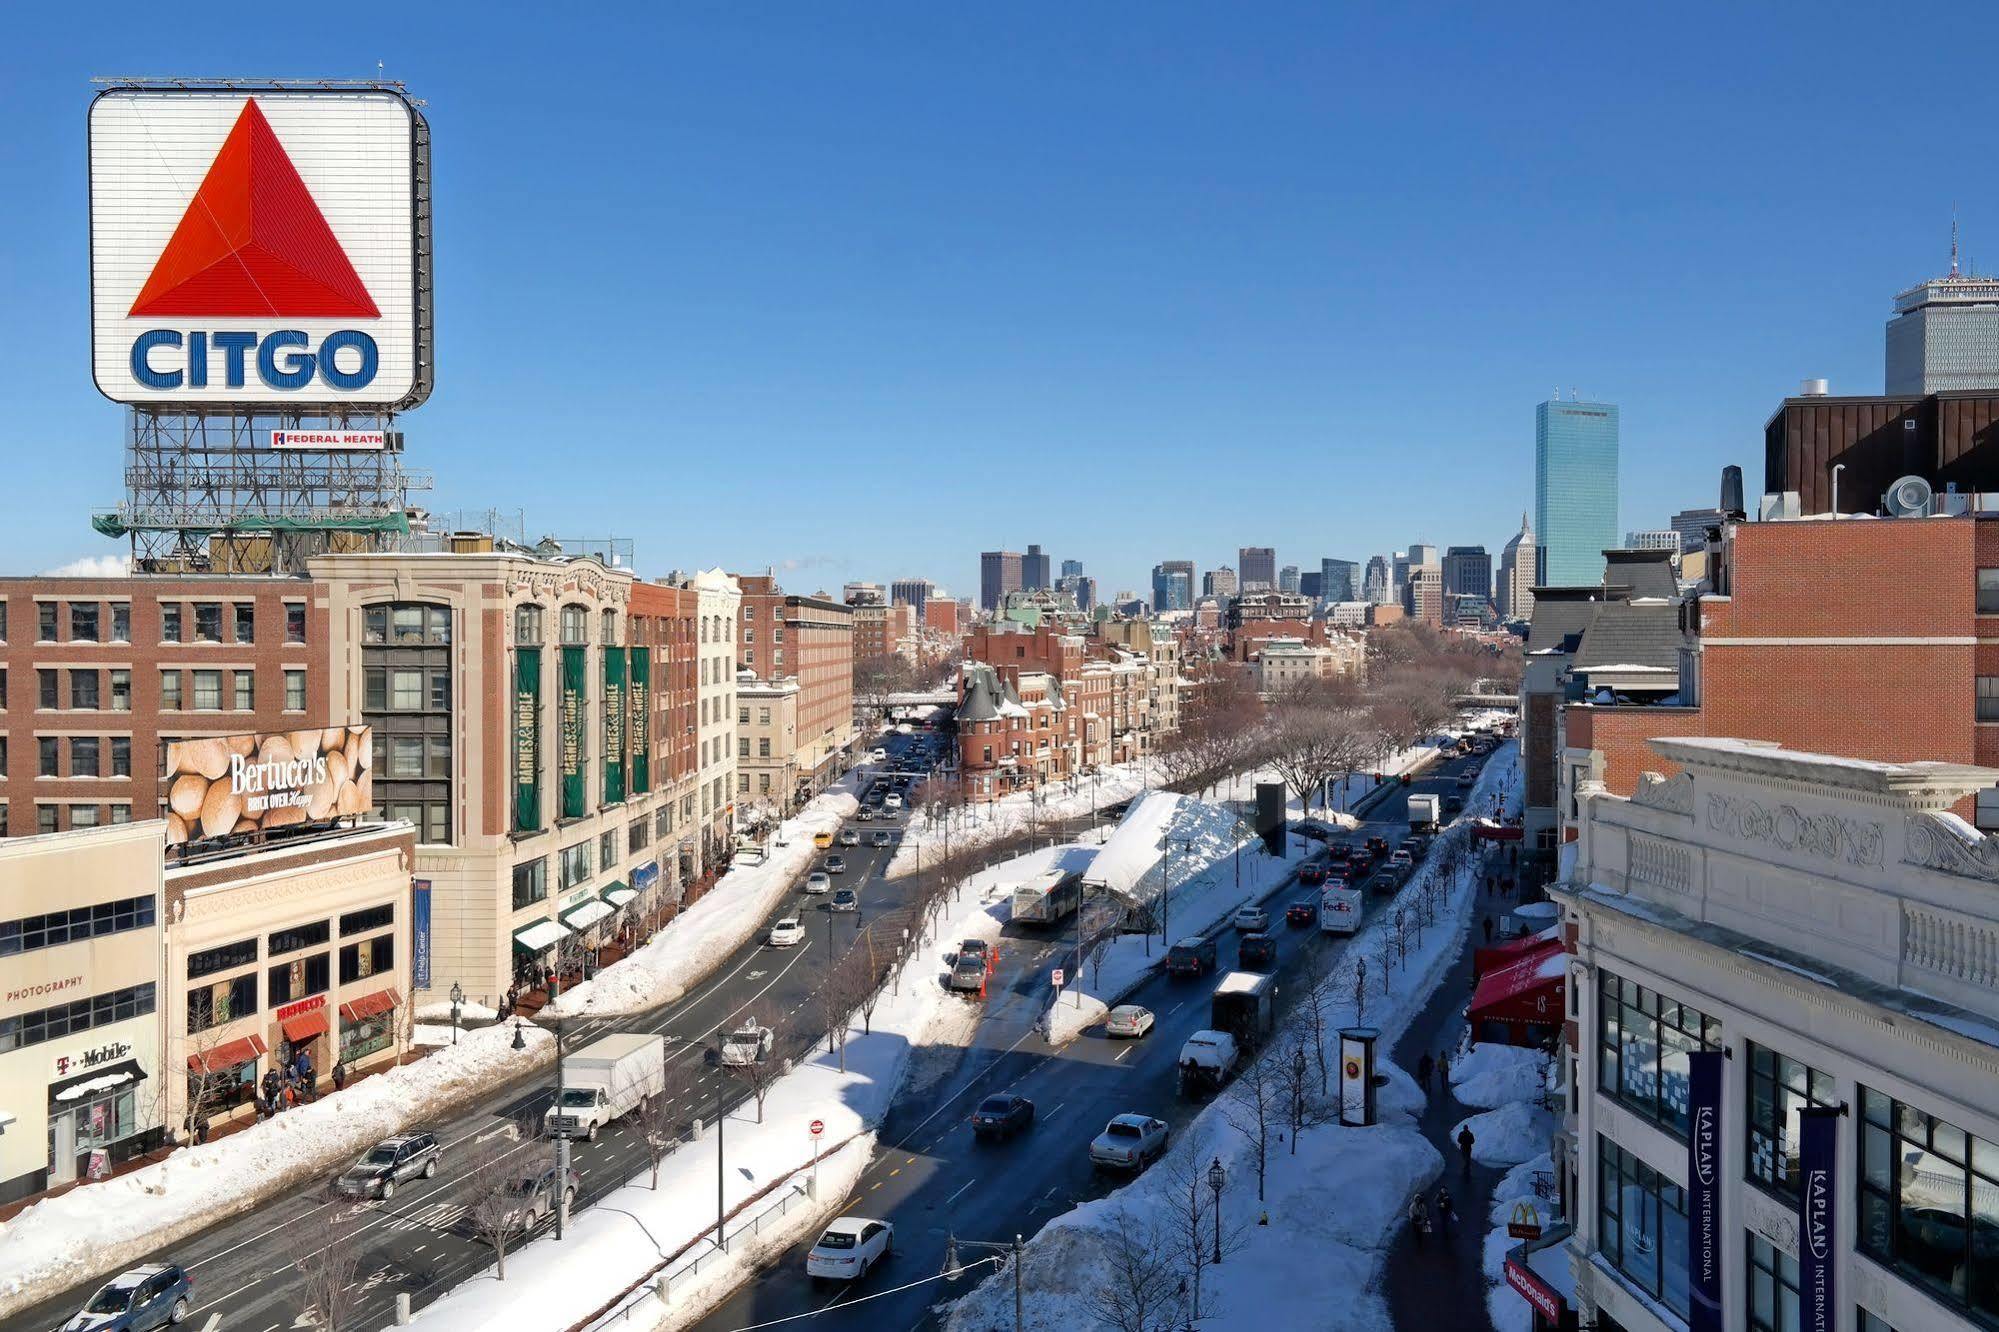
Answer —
(64, 1240)
(977, 823)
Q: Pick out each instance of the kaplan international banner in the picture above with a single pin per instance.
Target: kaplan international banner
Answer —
(1818, 1216)
(1704, 1191)
(573, 799)
(639, 724)
(230, 786)
(614, 725)
(527, 739)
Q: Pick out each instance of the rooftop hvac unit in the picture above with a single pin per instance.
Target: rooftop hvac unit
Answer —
(1909, 497)
(1778, 506)
(1815, 388)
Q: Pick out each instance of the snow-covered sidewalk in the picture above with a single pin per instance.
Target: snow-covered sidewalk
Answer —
(1294, 1257)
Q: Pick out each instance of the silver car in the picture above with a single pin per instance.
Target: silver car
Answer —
(1128, 1021)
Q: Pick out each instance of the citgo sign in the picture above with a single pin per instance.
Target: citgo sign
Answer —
(258, 248)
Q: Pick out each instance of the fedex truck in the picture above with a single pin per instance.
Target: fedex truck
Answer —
(1339, 909)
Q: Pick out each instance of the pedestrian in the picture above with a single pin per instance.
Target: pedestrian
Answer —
(1465, 1141)
(1419, 1218)
(308, 1085)
(1488, 929)
(1423, 1068)
(1446, 1214)
(1443, 1068)
(340, 1075)
(201, 1129)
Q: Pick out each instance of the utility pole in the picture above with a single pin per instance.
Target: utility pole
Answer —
(561, 1142)
(721, 1207)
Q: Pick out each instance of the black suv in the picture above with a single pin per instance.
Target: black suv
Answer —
(388, 1163)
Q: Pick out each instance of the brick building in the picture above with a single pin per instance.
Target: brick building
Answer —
(1015, 731)
(881, 629)
(945, 616)
(97, 673)
(1115, 691)
(809, 639)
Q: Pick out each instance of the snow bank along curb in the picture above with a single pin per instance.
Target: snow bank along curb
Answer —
(61, 1241)
(1014, 813)
(1310, 1257)
(541, 1289)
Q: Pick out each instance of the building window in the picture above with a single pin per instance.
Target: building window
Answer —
(530, 882)
(83, 621)
(575, 625)
(49, 753)
(1780, 1087)
(527, 625)
(743, 746)
(610, 628)
(208, 691)
(83, 690)
(1642, 1225)
(119, 814)
(45, 819)
(763, 747)
(295, 937)
(742, 716)
(298, 979)
(295, 691)
(407, 623)
(1988, 591)
(1643, 1041)
(1773, 1287)
(208, 961)
(763, 716)
(121, 691)
(607, 848)
(637, 834)
(662, 820)
(370, 957)
(45, 629)
(208, 622)
(170, 691)
(121, 621)
(49, 689)
(575, 865)
(246, 622)
(76, 924)
(294, 622)
(121, 759)
(368, 918)
(245, 699)
(1867, 1322)
(1988, 698)
(83, 756)
(225, 1001)
(1926, 1187)
(52, 1024)
(171, 629)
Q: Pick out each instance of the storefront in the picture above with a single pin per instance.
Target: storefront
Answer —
(1539, 1270)
(368, 1025)
(79, 1003)
(1521, 1002)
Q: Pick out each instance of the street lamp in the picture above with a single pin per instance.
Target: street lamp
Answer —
(721, 1208)
(952, 1270)
(457, 1001)
(520, 1037)
(1216, 1178)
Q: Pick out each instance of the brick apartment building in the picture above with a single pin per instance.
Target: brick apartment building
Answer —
(1873, 640)
(945, 616)
(1015, 731)
(96, 674)
(1108, 698)
(881, 629)
(809, 639)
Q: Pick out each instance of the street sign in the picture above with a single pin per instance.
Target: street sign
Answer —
(818, 1127)
(1057, 978)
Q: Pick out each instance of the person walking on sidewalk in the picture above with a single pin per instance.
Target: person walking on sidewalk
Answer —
(1443, 1069)
(340, 1075)
(1446, 1214)
(1465, 1142)
(1419, 1218)
(1423, 1068)
(1488, 929)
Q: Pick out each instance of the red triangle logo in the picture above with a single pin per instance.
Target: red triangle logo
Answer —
(253, 242)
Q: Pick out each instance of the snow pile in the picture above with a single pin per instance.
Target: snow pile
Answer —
(1125, 863)
(542, 1288)
(1493, 1075)
(1515, 1132)
(703, 935)
(469, 1011)
(63, 1240)
(1508, 1309)
(978, 822)
(1309, 1257)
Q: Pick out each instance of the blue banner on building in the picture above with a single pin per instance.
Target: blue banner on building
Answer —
(1818, 1194)
(1704, 1078)
(646, 875)
(420, 934)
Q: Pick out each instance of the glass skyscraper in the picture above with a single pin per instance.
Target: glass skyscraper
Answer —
(1575, 490)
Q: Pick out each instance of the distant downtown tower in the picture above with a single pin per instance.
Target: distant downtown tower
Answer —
(1575, 490)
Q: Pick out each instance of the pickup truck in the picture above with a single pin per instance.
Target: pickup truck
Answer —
(1207, 1059)
(748, 1044)
(604, 1081)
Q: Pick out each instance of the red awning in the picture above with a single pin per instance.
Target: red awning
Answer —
(302, 1028)
(224, 1057)
(1530, 990)
(1497, 832)
(1506, 954)
(371, 1005)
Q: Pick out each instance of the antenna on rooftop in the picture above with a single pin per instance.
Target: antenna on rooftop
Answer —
(1953, 240)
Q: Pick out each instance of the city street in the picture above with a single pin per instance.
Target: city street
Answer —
(932, 1177)
(244, 1269)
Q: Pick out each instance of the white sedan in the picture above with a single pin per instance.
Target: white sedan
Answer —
(1252, 918)
(818, 881)
(849, 1247)
(786, 933)
(1128, 1020)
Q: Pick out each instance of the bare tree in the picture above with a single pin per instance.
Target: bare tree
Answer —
(655, 1118)
(1138, 1291)
(873, 981)
(1250, 1104)
(1191, 1232)
(760, 1075)
(876, 679)
(327, 1263)
(1321, 997)
(1303, 1106)
(494, 1215)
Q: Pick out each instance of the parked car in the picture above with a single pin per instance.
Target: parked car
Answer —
(1002, 1116)
(1252, 918)
(848, 1247)
(388, 1163)
(785, 933)
(155, 1295)
(882, 838)
(849, 837)
(1302, 912)
(968, 975)
(836, 864)
(533, 1196)
(818, 881)
(1256, 952)
(1192, 956)
(1129, 1142)
(845, 899)
(978, 948)
(1128, 1021)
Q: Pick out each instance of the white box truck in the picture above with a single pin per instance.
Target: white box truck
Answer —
(604, 1081)
(1422, 812)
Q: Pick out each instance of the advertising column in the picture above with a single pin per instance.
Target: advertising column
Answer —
(639, 724)
(574, 805)
(527, 739)
(614, 724)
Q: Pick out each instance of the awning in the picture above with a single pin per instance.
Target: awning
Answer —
(228, 1055)
(617, 894)
(540, 936)
(587, 913)
(103, 1078)
(305, 1027)
(1530, 990)
(1506, 954)
(371, 1005)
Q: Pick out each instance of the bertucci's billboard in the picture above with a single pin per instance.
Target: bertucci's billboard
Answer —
(231, 785)
(259, 249)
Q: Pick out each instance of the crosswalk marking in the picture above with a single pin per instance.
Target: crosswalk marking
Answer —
(432, 1216)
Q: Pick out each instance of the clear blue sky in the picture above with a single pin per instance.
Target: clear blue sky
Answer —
(860, 290)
